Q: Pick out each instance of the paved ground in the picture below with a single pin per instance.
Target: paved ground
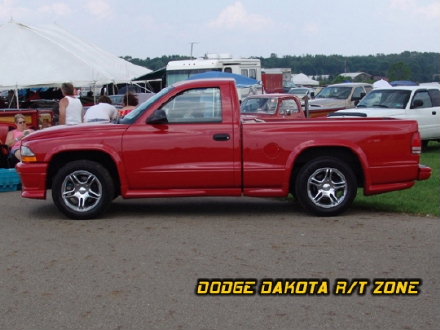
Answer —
(137, 267)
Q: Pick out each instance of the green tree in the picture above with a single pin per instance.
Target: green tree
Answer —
(399, 71)
(417, 66)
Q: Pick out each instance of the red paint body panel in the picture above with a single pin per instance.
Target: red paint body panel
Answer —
(33, 178)
(253, 158)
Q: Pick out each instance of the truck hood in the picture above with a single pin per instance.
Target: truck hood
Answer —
(326, 104)
(82, 130)
(369, 112)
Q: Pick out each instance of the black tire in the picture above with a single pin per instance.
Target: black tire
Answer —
(326, 186)
(82, 189)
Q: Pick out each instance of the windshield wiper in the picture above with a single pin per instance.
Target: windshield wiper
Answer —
(380, 106)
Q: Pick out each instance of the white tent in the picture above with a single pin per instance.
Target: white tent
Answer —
(49, 56)
(381, 84)
(302, 79)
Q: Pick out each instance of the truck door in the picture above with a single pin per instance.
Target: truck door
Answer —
(195, 149)
(425, 108)
(356, 97)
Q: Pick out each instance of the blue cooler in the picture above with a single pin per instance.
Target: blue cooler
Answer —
(9, 180)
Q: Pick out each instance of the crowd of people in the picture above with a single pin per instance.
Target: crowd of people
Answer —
(70, 112)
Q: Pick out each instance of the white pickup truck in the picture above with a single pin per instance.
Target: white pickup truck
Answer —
(421, 103)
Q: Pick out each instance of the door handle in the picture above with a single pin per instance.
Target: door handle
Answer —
(434, 113)
(222, 137)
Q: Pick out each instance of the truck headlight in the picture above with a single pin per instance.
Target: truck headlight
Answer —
(27, 155)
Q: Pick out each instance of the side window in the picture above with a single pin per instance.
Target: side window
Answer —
(357, 92)
(194, 106)
(424, 97)
(435, 97)
(227, 69)
(244, 72)
(253, 73)
(288, 107)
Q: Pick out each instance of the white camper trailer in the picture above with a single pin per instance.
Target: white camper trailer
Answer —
(182, 70)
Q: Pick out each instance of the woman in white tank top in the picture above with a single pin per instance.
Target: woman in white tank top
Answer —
(71, 109)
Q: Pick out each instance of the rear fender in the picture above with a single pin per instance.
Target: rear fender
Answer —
(347, 151)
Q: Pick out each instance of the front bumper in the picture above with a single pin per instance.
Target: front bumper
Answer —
(33, 179)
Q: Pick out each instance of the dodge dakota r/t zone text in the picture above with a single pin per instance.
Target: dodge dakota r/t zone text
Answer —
(189, 140)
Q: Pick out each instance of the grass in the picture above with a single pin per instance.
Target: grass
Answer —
(421, 199)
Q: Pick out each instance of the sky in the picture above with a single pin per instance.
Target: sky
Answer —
(242, 28)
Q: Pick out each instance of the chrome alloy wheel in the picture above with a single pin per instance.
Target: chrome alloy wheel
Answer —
(327, 187)
(81, 191)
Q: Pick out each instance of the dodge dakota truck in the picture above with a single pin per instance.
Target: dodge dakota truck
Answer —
(189, 140)
(272, 107)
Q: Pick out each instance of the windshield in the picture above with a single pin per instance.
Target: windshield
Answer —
(136, 113)
(298, 91)
(259, 105)
(339, 92)
(386, 98)
(179, 75)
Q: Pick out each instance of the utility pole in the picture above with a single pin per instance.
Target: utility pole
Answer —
(192, 43)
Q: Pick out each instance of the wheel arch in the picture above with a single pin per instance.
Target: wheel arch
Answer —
(343, 153)
(103, 158)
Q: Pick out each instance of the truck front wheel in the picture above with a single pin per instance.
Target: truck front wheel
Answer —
(82, 189)
(326, 186)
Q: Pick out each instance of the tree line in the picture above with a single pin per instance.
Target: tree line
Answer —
(408, 65)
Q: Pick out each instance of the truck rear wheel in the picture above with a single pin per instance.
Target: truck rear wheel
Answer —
(326, 186)
(82, 189)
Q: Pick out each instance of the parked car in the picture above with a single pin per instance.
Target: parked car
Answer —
(272, 106)
(336, 97)
(301, 92)
(421, 103)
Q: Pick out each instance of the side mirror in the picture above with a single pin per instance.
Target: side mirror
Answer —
(417, 104)
(312, 95)
(158, 117)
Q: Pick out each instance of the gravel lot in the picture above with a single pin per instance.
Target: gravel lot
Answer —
(138, 266)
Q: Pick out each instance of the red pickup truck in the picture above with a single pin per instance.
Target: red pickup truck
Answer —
(272, 107)
(189, 140)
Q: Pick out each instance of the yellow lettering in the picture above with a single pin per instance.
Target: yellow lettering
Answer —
(412, 288)
(215, 287)
(341, 287)
(227, 287)
(363, 286)
(301, 287)
(266, 287)
(323, 288)
(289, 287)
(202, 287)
(249, 287)
(378, 287)
(278, 289)
(396, 287)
